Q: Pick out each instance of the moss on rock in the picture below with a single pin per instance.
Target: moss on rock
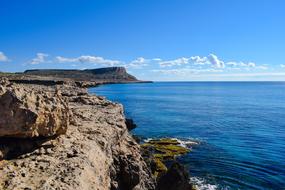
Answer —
(164, 141)
(162, 150)
(165, 149)
(159, 167)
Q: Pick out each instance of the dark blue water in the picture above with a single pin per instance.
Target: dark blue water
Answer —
(240, 127)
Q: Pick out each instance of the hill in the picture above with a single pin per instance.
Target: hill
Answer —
(109, 74)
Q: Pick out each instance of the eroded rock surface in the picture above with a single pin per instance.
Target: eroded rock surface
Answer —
(32, 112)
(96, 152)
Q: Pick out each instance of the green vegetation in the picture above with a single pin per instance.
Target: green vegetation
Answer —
(165, 149)
(162, 150)
(159, 167)
(164, 141)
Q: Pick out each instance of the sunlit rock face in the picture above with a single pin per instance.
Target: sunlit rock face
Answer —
(31, 112)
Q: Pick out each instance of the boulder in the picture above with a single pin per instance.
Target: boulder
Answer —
(30, 112)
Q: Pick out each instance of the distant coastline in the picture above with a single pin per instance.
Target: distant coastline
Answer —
(83, 78)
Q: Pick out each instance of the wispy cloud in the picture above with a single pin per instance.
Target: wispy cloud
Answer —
(40, 58)
(246, 74)
(138, 63)
(88, 59)
(282, 66)
(156, 59)
(3, 57)
(211, 59)
(175, 62)
(240, 64)
(262, 67)
(186, 71)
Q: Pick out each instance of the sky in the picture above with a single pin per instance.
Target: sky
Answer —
(160, 40)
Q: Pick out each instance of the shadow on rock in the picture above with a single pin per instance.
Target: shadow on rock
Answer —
(11, 148)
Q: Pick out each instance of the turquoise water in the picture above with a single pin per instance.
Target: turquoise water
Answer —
(239, 127)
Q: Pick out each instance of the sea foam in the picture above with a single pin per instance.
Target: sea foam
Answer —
(200, 184)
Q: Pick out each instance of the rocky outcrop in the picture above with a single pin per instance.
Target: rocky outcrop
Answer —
(176, 178)
(130, 124)
(32, 112)
(160, 155)
(95, 152)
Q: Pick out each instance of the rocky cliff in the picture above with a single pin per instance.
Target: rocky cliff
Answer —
(60, 137)
(109, 74)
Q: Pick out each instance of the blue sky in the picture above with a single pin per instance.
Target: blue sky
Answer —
(153, 39)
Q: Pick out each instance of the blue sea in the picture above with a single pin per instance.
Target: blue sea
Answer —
(238, 127)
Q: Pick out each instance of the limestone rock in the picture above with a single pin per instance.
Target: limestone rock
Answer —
(30, 112)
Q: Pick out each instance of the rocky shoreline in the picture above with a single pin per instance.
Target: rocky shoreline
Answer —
(57, 136)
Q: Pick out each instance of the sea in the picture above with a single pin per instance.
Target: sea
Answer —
(236, 130)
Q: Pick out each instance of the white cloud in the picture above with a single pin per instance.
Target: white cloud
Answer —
(3, 57)
(262, 67)
(282, 65)
(187, 71)
(199, 60)
(250, 64)
(66, 60)
(232, 64)
(197, 65)
(88, 59)
(176, 62)
(245, 74)
(196, 60)
(40, 58)
(157, 59)
(214, 60)
(241, 64)
(138, 63)
(211, 59)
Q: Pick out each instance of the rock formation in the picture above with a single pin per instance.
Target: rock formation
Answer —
(176, 178)
(94, 151)
(32, 112)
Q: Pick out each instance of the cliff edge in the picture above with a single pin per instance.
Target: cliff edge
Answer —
(93, 150)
